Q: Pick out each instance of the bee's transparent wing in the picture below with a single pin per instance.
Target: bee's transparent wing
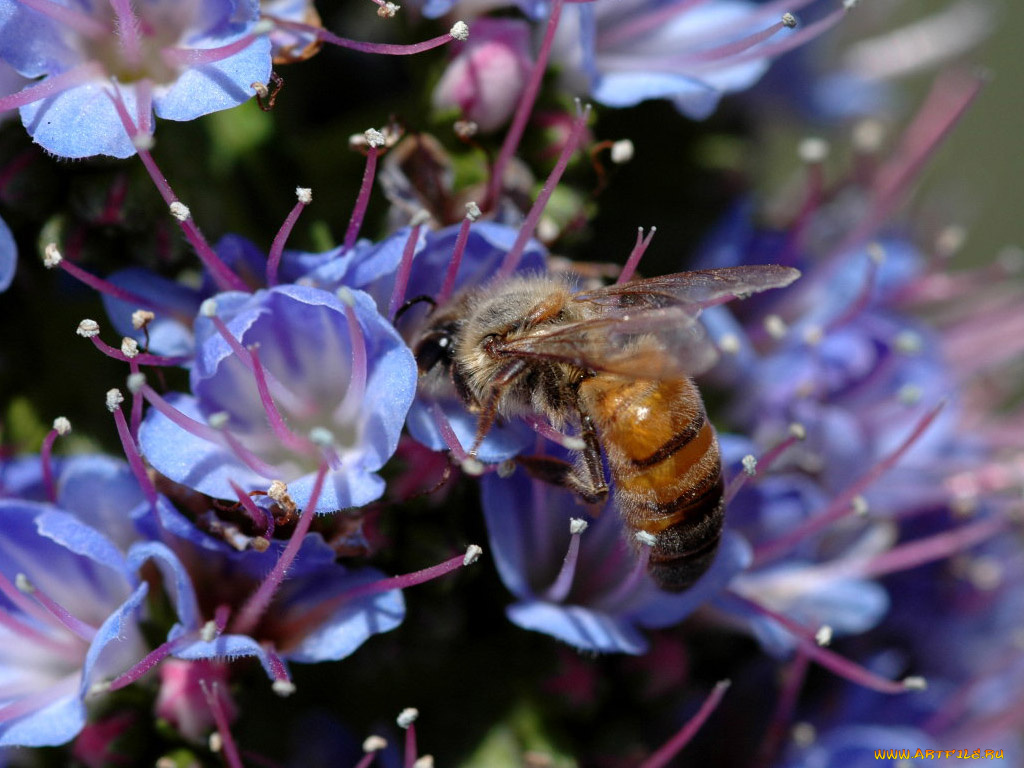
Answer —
(652, 344)
(696, 290)
(647, 329)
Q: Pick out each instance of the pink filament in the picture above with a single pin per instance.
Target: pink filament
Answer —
(259, 517)
(636, 254)
(447, 433)
(277, 247)
(131, 452)
(70, 622)
(673, 746)
(142, 357)
(53, 85)
(526, 230)
(362, 200)
(524, 110)
(46, 458)
(252, 611)
(197, 57)
(843, 667)
(560, 587)
(388, 49)
(410, 746)
(69, 17)
(404, 269)
(763, 464)
(356, 391)
(211, 691)
(453, 266)
(128, 32)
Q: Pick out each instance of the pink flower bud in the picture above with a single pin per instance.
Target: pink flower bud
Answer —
(181, 701)
(486, 78)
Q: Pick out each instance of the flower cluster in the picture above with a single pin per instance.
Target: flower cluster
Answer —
(305, 440)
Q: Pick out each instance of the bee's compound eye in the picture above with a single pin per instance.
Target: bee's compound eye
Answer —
(434, 349)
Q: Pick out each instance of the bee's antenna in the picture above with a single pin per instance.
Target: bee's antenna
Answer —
(410, 303)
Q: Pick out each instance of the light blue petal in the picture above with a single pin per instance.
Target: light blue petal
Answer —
(176, 579)
(580, 627)
(8, 256)
(103, 493)
(504, 441)
(81, 122)
(118, 644)
(76, 536)
(213, 87)
(56, 724)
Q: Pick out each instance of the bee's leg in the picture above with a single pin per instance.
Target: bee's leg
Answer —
(489, 409)
(585, 477)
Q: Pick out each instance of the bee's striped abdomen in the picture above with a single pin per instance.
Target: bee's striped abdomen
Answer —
(665, 462)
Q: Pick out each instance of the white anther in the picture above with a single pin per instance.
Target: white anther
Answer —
(51, 256)
(129, 347)
(645, 538)
(868, 135)
(749, 464)
(218, 420)
(804, 734)
(859, 505)
(321, 437)
(426, 761)
(876, 252)
(421, 217)
(473, 552)
(277, 491)
(261, 89)
(180, 211)
(304, 195)
(141, 318)
(99, 688)
(209, 632)
(823, 636)
(208, 308)
(23, 584)
(775, 326)
(263, 27)
(573, 443)
(61, 425)
(374, 743)
(910, 394)
(788, 20)
(114, 399)
(729, 343)
(985, 573)
(813, 149)
(135, 382)
(215, 742)
(387, 10)
(813, 334)
(465, 129)
(798, 430)
(950, 240)
(577, 525)
(908, 342)
(345, 296)
(472, 211)
(848, 4)
(407, 717)
(88, 328)
(373, 137)
(283, 688)
(460, 31)
(143, 141)
(915, 683)
(622, 151)
(472, 466)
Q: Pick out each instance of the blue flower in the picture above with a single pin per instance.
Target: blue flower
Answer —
(626, 53)
(180, 58)
(48, 666)
(339, 381)
(308, 620)
(599, 598)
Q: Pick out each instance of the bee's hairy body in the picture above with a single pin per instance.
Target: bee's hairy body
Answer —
(661, 451)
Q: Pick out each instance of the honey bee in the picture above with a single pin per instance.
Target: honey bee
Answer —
(614, 363)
